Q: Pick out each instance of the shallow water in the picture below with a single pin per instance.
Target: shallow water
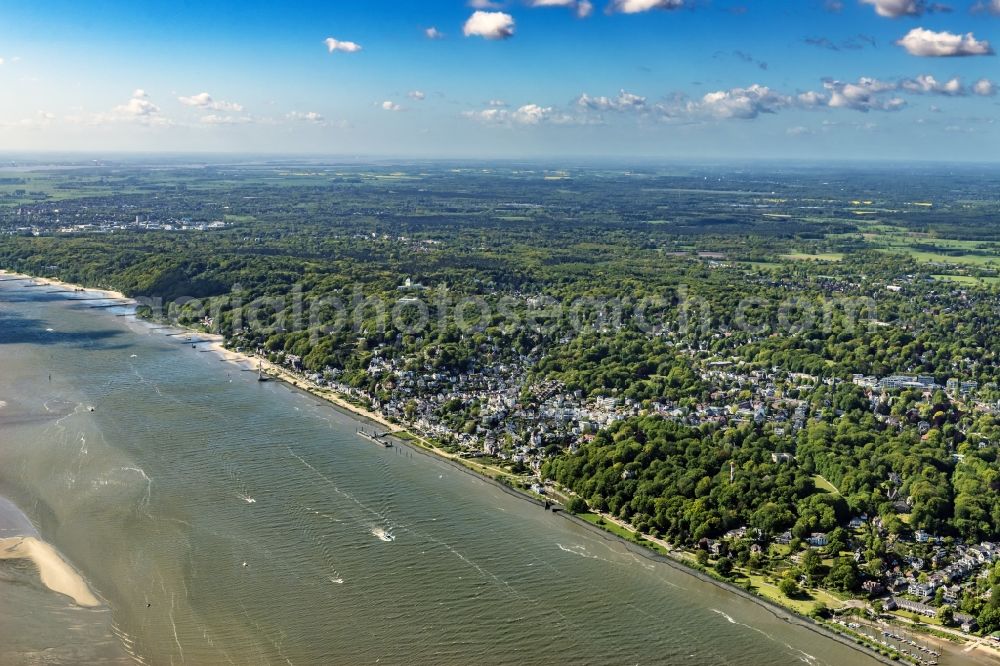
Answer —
(228, 521)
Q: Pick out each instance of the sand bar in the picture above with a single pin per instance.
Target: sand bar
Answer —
(56, 574)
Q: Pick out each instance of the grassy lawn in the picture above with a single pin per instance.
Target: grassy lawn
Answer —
(620, 531)
(967, 279)
(761, 265)
(802, 604)
(827, 256)
(595, 519)
(824, 485)
(939, 258)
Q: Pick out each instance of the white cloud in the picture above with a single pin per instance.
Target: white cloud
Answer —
(639, 6)
(812, 99)
(864, 95)
(926, 83)
(799, 130)
(216, 119)
(139, 109)
(485, 4)
(625, 101)
(1, 61)
(433, 33)
(138, 106)
(985, 87)
(418, 95)
(582, 8)
(868, 94)
(489, 25)
(897, 8)
(496, 103)
(532, 114)
(40, 120)
(927, 43)
(307, 117)
(205, 101)
(529, 115)
(391, 106)
(333, 45)
(745, 103)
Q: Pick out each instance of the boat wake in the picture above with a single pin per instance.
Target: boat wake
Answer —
(383, 534)
(247, 499)
(581, 550)
(725, 615)
(750, 627)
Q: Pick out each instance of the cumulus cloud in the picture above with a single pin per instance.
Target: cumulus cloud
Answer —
(812, 99)
(745, 103)
(868, 94)
(417, 95)
(625, 101)
(138, 109)
(897, 8)
(984, 87)
(433, 33)
(334, 45)
(489, 25)
(927, 43)
(217, 119)
(306, 117)
(205, 101)
(582, 8)
(926, 83)
(527, 115)
(639, 6)
(138, 106)
(389, 105)
(733, 104)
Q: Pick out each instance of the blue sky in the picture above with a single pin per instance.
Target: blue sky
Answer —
(854, 79)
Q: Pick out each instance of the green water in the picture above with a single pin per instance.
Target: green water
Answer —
(228, 521)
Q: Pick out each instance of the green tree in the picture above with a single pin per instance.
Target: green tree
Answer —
(844, 575)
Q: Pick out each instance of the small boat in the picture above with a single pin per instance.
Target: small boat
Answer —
(260, 373)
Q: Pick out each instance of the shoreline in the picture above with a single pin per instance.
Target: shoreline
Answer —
(246, 362)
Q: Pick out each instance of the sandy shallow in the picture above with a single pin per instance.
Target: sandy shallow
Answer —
(52, 282)
(56, 574)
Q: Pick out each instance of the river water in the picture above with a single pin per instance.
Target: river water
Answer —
(226, 521)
